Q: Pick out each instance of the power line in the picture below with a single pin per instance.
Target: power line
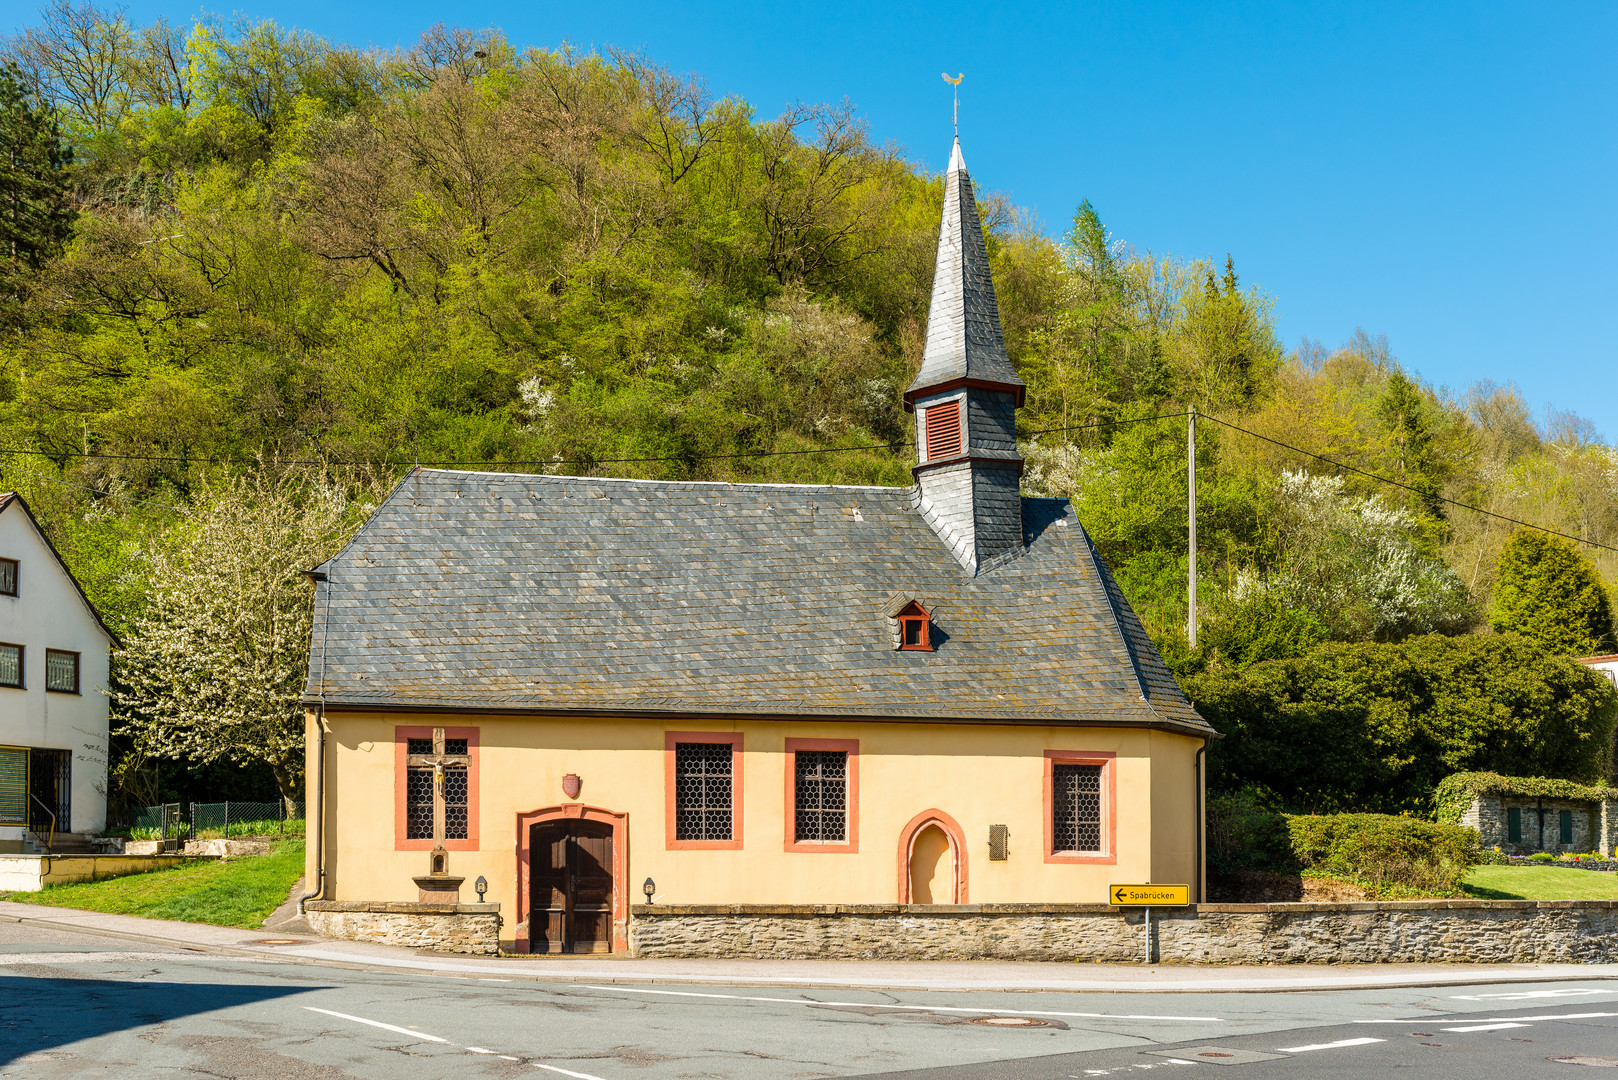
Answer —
(892, 447)
(1407, 487)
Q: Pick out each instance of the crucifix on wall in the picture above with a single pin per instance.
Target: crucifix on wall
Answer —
(436, 790)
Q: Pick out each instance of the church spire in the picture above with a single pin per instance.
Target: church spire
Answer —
(966, 395)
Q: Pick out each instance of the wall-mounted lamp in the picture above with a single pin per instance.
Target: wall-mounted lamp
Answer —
(481, 886)
(649, 889)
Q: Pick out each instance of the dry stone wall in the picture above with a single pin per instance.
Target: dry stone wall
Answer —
(1356, 933)
(460, 928)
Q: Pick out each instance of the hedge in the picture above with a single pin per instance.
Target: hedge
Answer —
(1390, 855)
(1455, 793)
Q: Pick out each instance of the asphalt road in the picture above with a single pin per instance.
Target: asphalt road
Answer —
(85, 1007)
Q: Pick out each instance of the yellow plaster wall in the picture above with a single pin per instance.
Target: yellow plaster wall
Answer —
(979, 775)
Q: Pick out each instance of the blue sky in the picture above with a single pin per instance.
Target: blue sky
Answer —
(1444, 174)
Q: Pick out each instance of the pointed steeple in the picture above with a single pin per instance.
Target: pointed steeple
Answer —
(966, 395)
(963, 322)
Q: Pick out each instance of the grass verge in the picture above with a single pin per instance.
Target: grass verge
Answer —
(234, 892)
(1539, 883)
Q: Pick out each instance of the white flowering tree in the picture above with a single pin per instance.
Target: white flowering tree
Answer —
(214, 667)
(1361, 566)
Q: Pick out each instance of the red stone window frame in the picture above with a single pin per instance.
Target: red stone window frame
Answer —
(401, 754)
(737, 786)
(1108, 761)
(851, 747)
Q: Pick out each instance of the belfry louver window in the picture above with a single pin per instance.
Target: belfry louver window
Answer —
(943, 430)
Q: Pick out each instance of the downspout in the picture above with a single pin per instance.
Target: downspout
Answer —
(314, 811)
(1199, 862)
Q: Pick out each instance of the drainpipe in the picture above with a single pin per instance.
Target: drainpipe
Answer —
(314, 820)
(1198, 866)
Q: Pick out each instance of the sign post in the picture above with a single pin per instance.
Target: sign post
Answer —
(1144, 896)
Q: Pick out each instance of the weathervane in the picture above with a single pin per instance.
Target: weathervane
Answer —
(956, 82)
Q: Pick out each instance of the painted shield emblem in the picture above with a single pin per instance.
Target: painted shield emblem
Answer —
(570, 785)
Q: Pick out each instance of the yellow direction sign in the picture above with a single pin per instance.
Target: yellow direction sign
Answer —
(1149, 895)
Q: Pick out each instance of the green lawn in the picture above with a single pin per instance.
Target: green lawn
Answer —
(233, 892)
(1539, 883)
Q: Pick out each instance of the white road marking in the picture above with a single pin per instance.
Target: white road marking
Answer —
(564, 1072)
(1487, 1027)
(436, 1039)
(379, 1024)
(1527, 994)
(1327, 1046)
(1502, 1019)
(915, 1008)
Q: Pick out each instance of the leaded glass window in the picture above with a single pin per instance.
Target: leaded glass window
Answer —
(11, 665)
(1076, 807)
(702, 791)
(821, 785)
(419, 802)
(419, 746)
(455, 798)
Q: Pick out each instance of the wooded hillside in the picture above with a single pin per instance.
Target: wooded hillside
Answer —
(238, 246)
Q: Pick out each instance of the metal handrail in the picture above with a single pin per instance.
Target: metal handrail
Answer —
(52, 841)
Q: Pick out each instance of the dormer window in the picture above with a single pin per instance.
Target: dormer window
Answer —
(8, 577)
(913, 628)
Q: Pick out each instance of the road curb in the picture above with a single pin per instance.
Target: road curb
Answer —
(517, 974)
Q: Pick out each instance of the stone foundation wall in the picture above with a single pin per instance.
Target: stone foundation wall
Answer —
(1466, 931)
(460, 928)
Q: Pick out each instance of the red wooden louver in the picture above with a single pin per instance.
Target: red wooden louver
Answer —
(943, 430)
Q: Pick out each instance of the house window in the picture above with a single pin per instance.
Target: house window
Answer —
(703, 796)
(703, 780)
(1080, 807)
(437, 770)
(1076, 806)
(820, 813)
(62, 671)
(823, 795)
(8, 577)
(1564, 821)
(915, 629)
(1514, 824)
(11, 666)
(943, 430)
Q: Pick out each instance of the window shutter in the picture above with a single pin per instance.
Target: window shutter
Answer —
(1514, 824)
(13, 786)
(943, 430)
(1565, 822)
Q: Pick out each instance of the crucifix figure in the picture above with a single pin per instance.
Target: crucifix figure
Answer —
(436, 786)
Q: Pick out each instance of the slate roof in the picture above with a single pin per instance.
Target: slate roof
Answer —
(471, 591)
(963, 321)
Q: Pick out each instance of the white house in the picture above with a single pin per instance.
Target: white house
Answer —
(54, 650)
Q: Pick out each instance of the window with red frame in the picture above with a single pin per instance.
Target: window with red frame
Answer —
(914, 632)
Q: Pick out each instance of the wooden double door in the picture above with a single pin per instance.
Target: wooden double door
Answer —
(570, 905)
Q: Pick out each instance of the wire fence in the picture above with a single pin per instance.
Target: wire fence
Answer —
(209, 821)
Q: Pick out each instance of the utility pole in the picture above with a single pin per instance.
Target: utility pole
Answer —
(1191, 517)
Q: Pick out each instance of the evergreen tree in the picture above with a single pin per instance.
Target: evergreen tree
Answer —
(1547, 591)
(35, 217)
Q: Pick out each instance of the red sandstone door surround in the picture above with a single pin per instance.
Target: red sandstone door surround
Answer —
(924, 827)
(602, 837)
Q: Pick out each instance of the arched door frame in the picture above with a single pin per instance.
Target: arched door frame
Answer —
(620, 866)
(957, 845)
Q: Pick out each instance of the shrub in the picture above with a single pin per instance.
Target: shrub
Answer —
(1246, 832)
(1376, 727)
(1542, 856)
(1388, 854)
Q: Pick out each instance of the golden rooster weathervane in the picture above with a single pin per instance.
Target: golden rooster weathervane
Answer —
(956, 83)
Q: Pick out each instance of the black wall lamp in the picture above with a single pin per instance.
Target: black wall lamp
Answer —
(481, 886)
(649, 888)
